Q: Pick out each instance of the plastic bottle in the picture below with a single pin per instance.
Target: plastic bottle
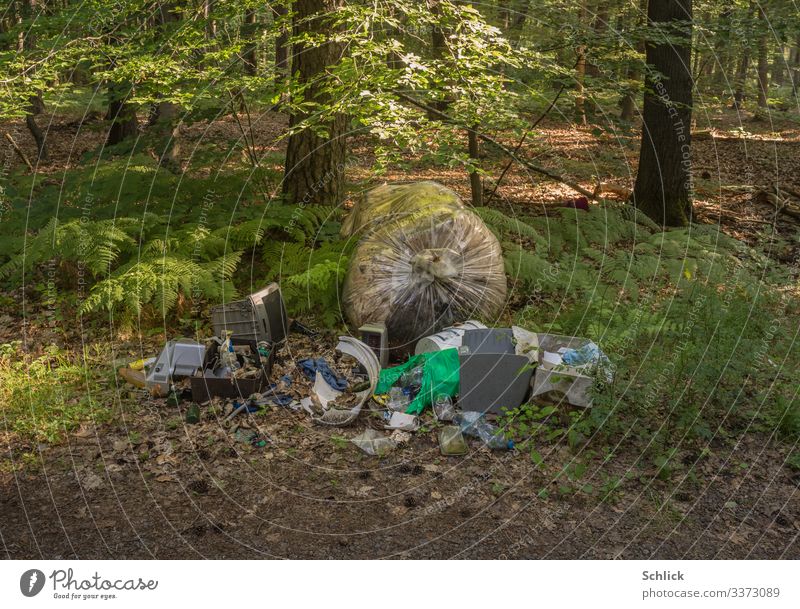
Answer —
(411, 380)
(398, 399)
(443, 408)
(473, 424)
(193, 413)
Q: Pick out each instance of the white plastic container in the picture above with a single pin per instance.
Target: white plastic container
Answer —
(448, 338)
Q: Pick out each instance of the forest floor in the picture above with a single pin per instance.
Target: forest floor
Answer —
(142, 484)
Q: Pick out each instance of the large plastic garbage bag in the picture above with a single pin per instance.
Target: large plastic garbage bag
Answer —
(424, 262)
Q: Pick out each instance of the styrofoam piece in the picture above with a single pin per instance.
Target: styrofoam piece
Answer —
(178, 359)
(448, 338)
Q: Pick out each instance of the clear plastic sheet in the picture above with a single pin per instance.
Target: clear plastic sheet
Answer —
(424, 262)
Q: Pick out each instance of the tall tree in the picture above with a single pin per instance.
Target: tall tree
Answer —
(763, 59)
(35, 101)
(663, 180)
(314, 171)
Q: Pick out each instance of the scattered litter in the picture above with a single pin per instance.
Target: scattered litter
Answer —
(375, 337)
(374, 442)
(249, 436)
(141, 364)
(451, 441)
(526, 343)
(134, 377)
(557, 378)
(325, 393)
(307, 405)
(440, 375)
(367, 359)
(259, 317)
(193, 414)
(400, 437)
(403, 421)
(443, 408)
(179, 359)
(319, 367)
(449, 338)
(474, 424)
(399, 399)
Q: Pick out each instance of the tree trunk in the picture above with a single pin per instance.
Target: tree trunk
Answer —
(35, 101)
(250, 56)
(722, 51)
(628, 102)
(599, 26)
(763, 64)
(121, 114)
(211, 25)
(474, 176)
(663, 181)
(795, 72)
(739, 93)
(580, 74)
(776, 69)
(439, 48)
(314, 170)
(37, 107)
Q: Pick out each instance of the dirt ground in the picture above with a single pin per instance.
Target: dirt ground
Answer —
(148, 486)
(310, 494)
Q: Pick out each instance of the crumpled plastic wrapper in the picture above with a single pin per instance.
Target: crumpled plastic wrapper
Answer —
(424, 262)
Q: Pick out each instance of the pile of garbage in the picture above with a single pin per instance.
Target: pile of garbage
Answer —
(464, 376)
(423, 262)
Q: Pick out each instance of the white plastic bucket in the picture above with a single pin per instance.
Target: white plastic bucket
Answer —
(448, 338)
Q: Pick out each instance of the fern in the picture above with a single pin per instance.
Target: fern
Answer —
(159, 282)
(96, 245)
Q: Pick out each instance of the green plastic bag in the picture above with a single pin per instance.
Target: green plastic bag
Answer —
(439, 375)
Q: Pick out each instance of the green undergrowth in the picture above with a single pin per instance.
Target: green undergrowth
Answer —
(44, 397)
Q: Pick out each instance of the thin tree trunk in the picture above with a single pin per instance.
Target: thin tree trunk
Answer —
(279, 13)
(795, 72)
(599, 26)
(580, 74)
(776, 69)
(439, 48)
(474, 176)
(250, 55)
(315, 170)
(37, 107)
(763, 64)
(663, 180)
(722, 50)
(35, 101)
(739, 93)
(628, 102)
(211, 25)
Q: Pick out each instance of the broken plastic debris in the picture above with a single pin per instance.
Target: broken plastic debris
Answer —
(325, 393)
(374, 442)
(366, 357)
